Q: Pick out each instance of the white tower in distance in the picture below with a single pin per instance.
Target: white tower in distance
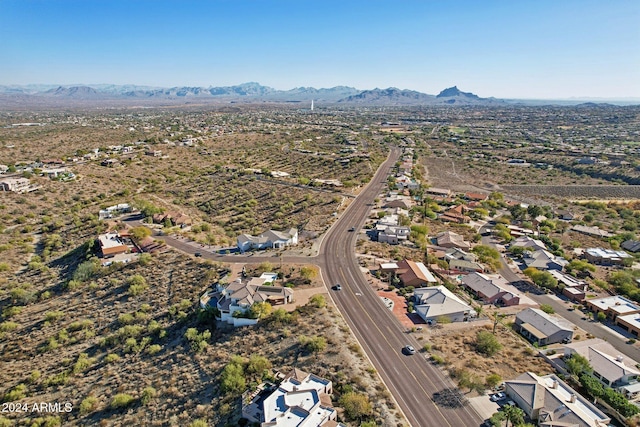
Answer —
(312, 105)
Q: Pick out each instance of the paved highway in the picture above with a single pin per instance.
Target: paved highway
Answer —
(412, 380)
(414, 383)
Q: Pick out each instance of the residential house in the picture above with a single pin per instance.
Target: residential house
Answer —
(455, 214)
(16, 185)
(301, 399)
(528, 243)
(550, 402)
(630, 323)
(602, 256)
(174, 218)
(449, 239)
(455, 253)
(613, 306)
(439, 192)
(475, 197)
(435, 302)
(591, 231)
(112, 244)
(414, 274)
(115, 210)
(631, 246)
(543, 260)
(154, 153)
(574, 289)
(565, 215)
(394, 234)
(397, 201)
(542, 329)
(609, 366)
(269, 239)
(464, 266)
(241, 294)
(489, 290)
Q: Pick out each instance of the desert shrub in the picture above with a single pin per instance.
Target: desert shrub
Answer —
(487, 343)
(88, 404)
(147, 394)
(154, 349)
(121, 400)
(137, 285)
(111, 357)
(317, 301)
(200, 422)
(8, 326)
(53, 316)
(356, 405)
(313, 344)
(16, 393)
(198, 341)
(232, 380)
(83, 363)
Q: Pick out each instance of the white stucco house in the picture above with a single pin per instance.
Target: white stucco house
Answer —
(269, 239)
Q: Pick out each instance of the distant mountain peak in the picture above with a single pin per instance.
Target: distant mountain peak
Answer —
(454, 91)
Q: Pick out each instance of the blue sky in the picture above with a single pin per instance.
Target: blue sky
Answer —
(508, 49)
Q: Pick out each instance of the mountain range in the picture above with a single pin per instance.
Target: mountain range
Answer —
(247, 92)
(109, 95)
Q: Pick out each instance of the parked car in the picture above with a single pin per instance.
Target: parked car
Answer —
(409, 349)
(498, 397)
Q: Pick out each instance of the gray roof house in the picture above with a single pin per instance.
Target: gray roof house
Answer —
(268, 239)
(489, 290)
(552, 403)
(609, 366)
(540, 328)
(437, 301)
(543, 260)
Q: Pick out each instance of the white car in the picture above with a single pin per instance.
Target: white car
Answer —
(409, 349)
(497, 397)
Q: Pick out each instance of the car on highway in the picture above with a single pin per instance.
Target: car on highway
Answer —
(337, 287)
(352, 229)
(409, 349)
(197, 254)
(497, 397)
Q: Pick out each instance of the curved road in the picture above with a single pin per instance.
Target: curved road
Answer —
(412, 380)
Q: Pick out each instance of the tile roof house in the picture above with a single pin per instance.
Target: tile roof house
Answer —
(414, 274)
(300, 400)
(449, 239)
(437, 301)
(489, 290)
(552, 403)
(268, 239)
(542, 329)
(608, 364)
